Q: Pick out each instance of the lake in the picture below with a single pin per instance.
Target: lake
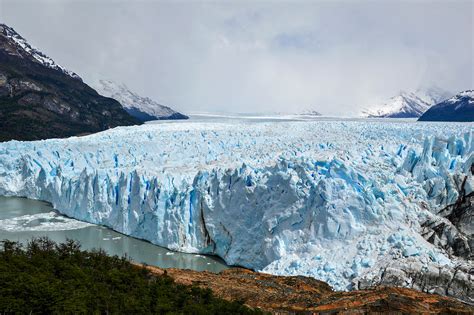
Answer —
(22, 219)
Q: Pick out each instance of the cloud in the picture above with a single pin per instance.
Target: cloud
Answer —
(248, 57)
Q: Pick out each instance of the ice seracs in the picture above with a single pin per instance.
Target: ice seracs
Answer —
(335, 200)
(142, 108)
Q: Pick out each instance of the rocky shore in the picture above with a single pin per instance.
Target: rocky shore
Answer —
(297, 294)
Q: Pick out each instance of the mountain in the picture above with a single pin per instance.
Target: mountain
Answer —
(458, 108)
(40, 99)
(142, 108)
(309, 112)
(407, 105)
(305, 112)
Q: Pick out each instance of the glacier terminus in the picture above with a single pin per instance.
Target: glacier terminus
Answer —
(354, 203)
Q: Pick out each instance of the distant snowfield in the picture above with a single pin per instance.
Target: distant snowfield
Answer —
(332, 199)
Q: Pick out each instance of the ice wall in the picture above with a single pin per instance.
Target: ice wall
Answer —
(332, 200)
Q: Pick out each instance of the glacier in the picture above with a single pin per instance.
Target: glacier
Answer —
(332, 199)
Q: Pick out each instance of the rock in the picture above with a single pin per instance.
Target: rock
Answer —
(456, 281)
(296, 294)
(453, 229)
(40, 99)
(142, 108)
(458, 108)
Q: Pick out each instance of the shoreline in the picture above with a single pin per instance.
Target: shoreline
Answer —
(299, 294)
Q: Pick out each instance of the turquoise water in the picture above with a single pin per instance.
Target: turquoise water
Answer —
(22, 219)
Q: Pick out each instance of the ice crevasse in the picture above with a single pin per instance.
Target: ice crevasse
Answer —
(286, 207)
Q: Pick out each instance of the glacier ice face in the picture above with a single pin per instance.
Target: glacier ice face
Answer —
(442, 167)
(335, 200)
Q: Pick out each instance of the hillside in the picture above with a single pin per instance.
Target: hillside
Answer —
(142, 108)
(40, 99)
(458, 108)
(48, 278)
(407, 104)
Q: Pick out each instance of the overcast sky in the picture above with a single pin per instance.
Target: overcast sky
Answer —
(246, 56)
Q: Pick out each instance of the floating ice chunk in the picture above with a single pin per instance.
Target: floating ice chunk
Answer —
(50, 221)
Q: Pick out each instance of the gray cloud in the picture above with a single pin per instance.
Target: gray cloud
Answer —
(267, 56)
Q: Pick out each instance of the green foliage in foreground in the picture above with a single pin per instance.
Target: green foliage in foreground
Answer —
(48, 278)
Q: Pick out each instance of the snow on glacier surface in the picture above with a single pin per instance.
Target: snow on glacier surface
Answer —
(332, 199)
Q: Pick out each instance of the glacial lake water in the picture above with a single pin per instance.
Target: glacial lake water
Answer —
(22, 219)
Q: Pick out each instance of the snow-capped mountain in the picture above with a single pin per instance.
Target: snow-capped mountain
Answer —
(40, 99)
(309, 112)
(32, 52)
(458, 108)
(407, 104)
(305, 112)
(140, 107)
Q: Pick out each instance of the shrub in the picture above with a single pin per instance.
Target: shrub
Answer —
(48, 278)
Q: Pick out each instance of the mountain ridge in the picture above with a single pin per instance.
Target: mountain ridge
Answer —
(458, 108)
(142, 108)
(40, 99)
(407, 104)
(33, 52)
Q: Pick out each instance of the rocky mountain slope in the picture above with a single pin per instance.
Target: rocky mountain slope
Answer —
(297, 294)
(142, 108)
(407, 105)
(40, 99)
(458, 108)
